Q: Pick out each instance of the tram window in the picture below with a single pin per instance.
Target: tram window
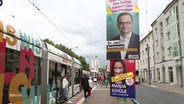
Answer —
(12, 60)
(77, 78)
(68, 70)
(51, 66)
(37, 71)
(52, 73)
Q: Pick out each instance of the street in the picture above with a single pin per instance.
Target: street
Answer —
(153, 95)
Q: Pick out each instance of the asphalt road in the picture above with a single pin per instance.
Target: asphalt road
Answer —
(153, 95)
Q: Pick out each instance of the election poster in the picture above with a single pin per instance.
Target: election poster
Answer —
(122, 23)
(122, 82)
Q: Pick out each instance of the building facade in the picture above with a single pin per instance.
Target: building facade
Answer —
(95, 63)
(144, 65)
(167, 51)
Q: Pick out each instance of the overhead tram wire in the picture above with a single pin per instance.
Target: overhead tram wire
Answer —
(51, 22)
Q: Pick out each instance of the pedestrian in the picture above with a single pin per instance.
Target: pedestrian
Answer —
(106, 82)
(85, 85)
(65, 88)
(90, 85)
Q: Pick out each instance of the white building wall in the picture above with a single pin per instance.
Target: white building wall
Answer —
(163, 38)
(164, 67)
(142, 64)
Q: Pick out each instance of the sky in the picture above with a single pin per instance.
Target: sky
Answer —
(78, 24)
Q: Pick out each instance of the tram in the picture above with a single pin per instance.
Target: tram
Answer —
(30, 67)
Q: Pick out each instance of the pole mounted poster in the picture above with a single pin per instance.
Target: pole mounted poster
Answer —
(122, 30)
(122, 82)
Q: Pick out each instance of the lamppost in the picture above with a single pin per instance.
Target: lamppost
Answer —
(149, 72)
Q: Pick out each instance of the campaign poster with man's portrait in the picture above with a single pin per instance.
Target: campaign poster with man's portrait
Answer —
(122, 30)
(122, 82)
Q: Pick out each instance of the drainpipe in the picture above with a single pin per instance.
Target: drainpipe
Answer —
(181, 67)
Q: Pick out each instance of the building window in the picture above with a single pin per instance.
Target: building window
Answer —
(167, 20)
(161, 27)
(145, 42)
(171, 79)
(157, 55)
(155, 30)
(176, 49)
(156, 43)
(169, 51)
(168, 35)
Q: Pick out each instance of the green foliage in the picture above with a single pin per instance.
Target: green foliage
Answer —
(61, 47)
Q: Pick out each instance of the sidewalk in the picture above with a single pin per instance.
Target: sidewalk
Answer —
(167, 87)
(99, 95)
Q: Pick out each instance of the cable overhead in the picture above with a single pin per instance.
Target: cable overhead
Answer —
(51, 21)
(54, 25)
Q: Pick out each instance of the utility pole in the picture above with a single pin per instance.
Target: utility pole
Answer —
(149, 72)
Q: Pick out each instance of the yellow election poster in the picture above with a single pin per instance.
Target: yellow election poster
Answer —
(122, 77)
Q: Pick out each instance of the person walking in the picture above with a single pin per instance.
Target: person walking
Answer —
(106, 82)
(65, 88)
(85, 85)
(90, 86)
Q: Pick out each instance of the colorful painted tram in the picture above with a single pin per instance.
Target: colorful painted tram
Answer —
(29, 68)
